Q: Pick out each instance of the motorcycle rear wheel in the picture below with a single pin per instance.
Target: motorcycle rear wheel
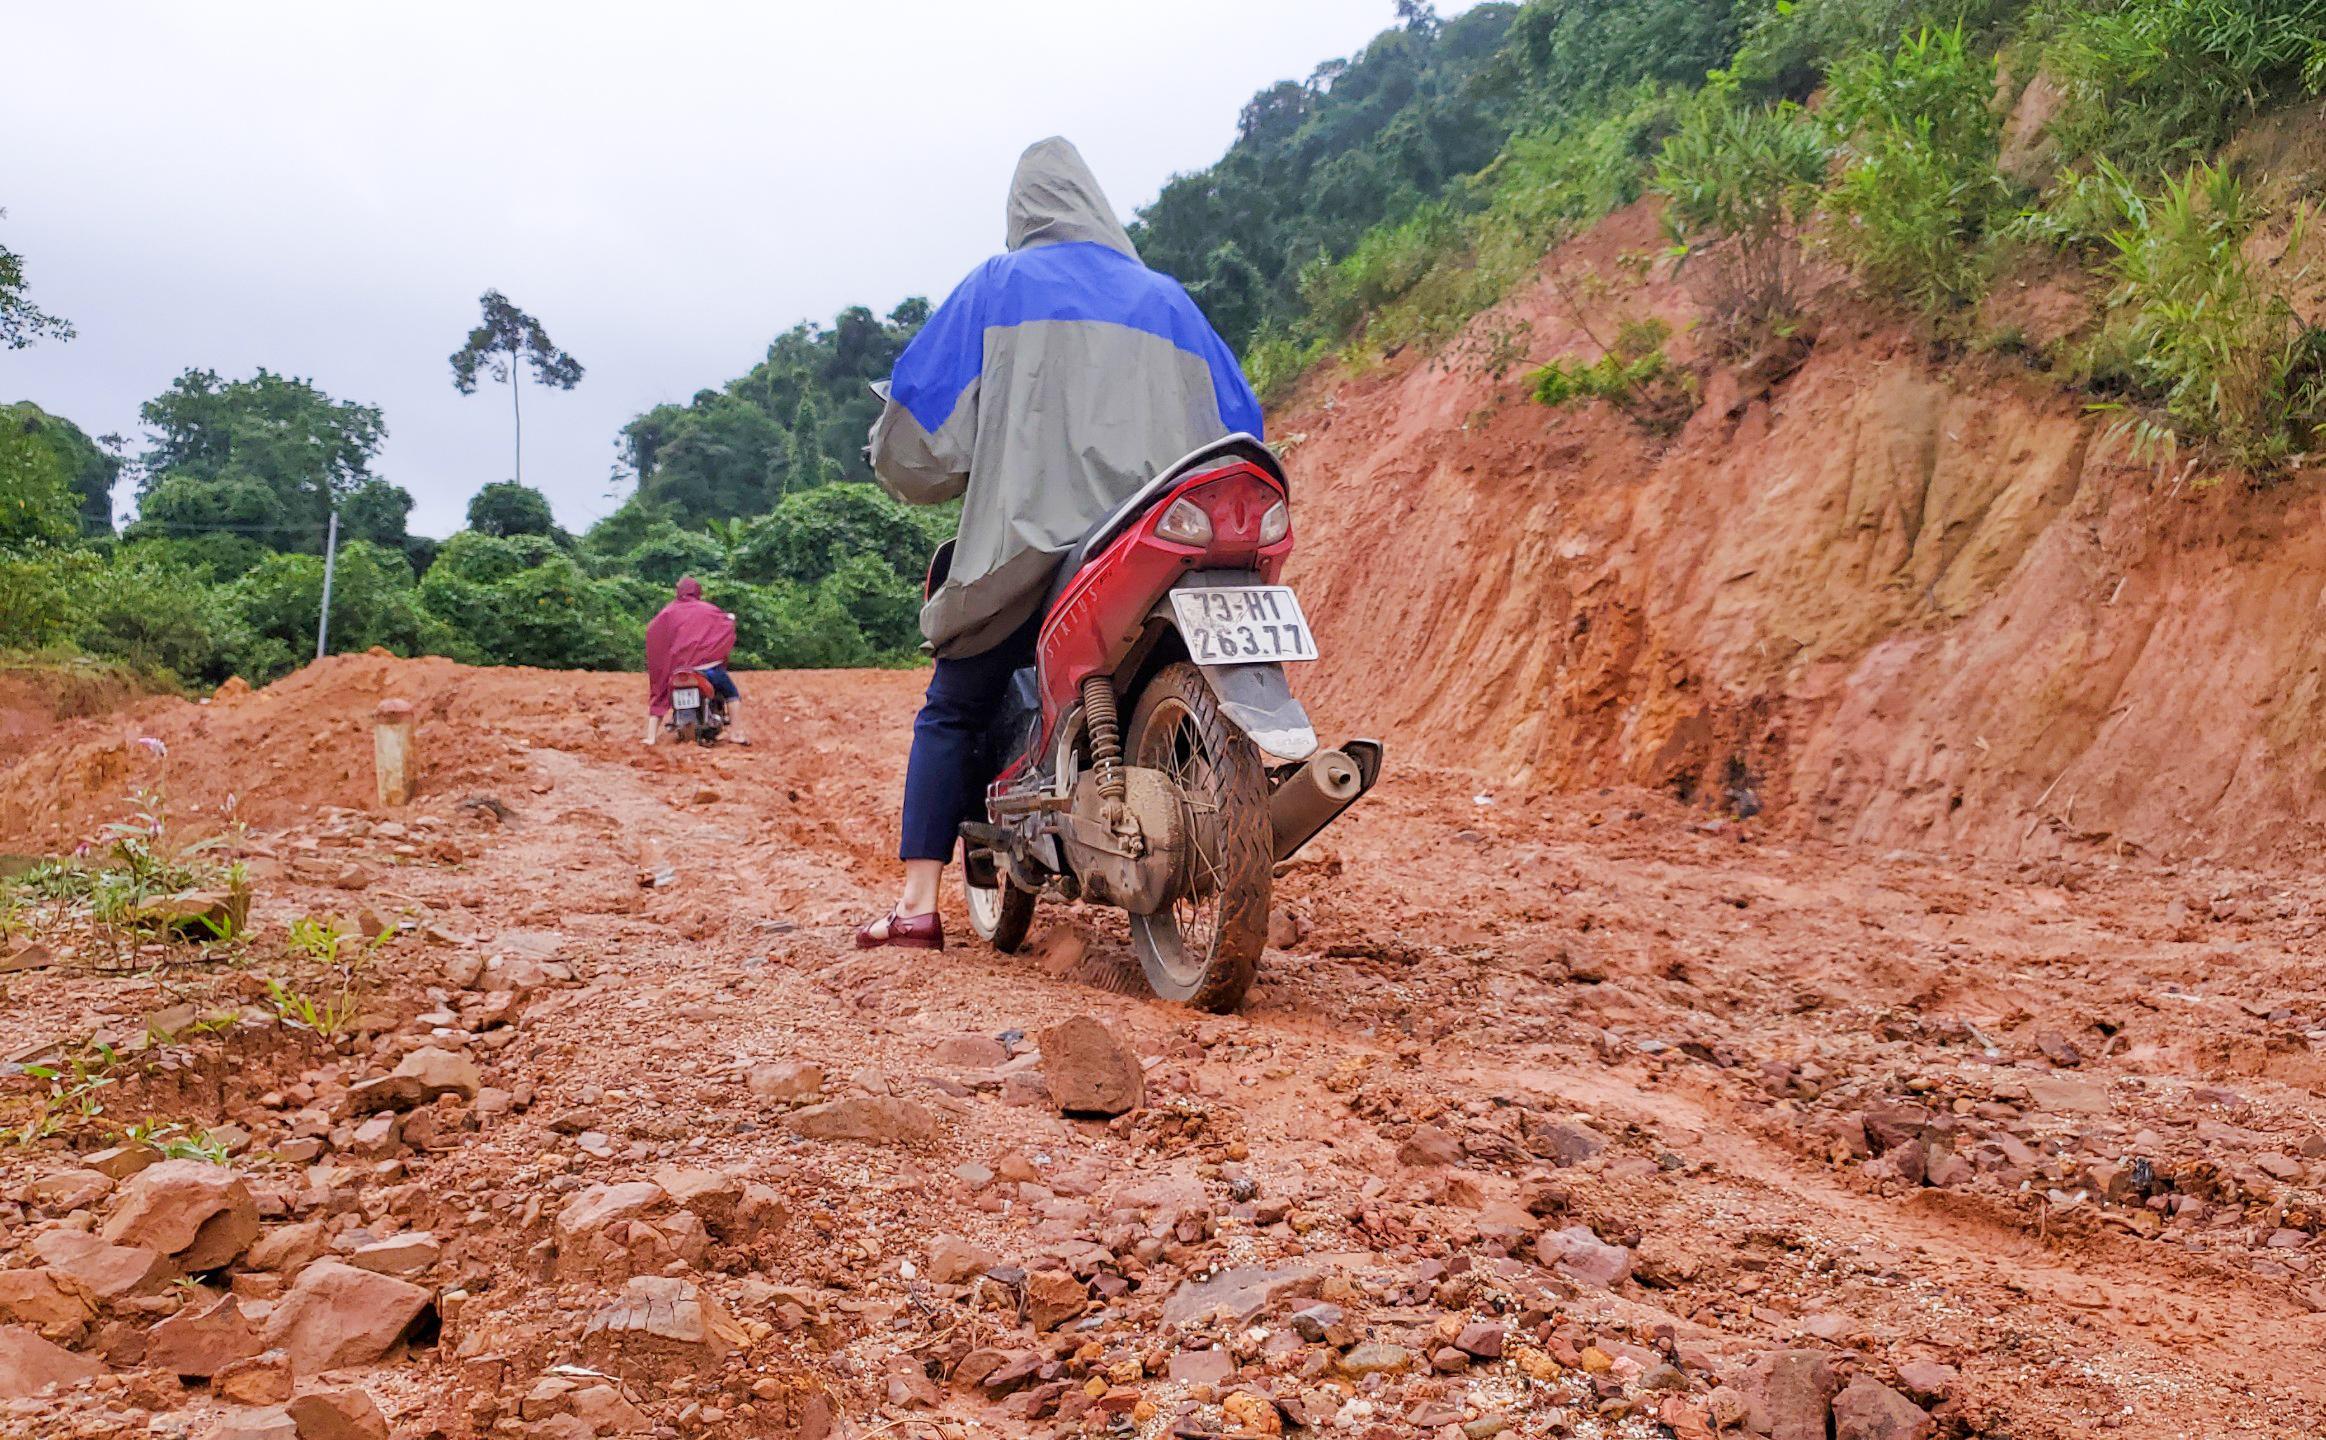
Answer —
(1000, 915)
(1204, 947)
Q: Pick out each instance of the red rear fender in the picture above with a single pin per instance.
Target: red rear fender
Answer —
(1105, 607)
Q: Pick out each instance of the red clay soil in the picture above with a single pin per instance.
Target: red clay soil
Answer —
(1699, 1122)
(38, 699)
(1902, 603)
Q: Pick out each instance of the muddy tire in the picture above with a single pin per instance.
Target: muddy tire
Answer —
(1204, 948)
(1000, 916)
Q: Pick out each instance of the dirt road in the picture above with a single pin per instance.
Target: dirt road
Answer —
(1579, 1114)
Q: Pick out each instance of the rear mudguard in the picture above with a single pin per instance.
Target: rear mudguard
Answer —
(1255, 698)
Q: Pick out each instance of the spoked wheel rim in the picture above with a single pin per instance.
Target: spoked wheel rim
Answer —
(1202, 947)
(1183, 936)
(984, 903)
(1000, 914)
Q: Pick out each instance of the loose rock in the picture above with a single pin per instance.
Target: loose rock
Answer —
(338, 1315)
(203, 1341)
(879, 1119)
(1088, 1070)
(348, 1414)
(29, 1364)
(199, 1214)
(1870, 1410)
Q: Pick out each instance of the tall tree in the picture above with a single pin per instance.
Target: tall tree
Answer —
(270, 456)
(21, 321)
(731, 451)
(506, 508)
(90, 462)
(504, 339)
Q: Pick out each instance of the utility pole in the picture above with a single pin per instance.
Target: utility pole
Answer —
(330, 561)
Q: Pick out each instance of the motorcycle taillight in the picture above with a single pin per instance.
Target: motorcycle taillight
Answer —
(1246, 512)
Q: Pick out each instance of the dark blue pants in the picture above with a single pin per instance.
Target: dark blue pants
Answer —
(952, 758)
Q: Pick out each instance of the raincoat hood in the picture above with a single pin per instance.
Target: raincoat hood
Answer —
(690, 589)
(1054, 199)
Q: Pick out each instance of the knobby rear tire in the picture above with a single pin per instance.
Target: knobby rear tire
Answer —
(1177, 711)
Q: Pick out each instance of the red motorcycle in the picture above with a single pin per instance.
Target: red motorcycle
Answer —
(697, 711)
(1168, 611)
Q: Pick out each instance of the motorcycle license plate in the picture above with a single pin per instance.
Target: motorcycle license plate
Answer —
(687, 699)
(1243, 624)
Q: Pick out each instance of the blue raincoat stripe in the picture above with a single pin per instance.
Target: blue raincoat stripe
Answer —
(1080, 281)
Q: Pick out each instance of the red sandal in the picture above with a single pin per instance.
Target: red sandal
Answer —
(905, 932)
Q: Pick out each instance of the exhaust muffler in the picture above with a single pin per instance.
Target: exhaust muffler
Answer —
(1313, 796)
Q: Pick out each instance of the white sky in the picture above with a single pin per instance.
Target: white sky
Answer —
(325, 189)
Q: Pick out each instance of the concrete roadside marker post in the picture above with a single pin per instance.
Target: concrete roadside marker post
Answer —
(392, 750)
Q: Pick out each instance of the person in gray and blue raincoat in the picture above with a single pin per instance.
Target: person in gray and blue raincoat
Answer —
(1052, 384)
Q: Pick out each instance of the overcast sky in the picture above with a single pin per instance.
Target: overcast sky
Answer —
(324, 190)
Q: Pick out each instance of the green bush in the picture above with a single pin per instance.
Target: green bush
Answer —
(2082, 211)
(1918, 189)
(37, 503)
(1633, 375)
(666, 553)
(788, 626)
(154, 616)
(219, 556)
(883, 605)
(1789, 47)
(522, 600)
(40, 587)
(2203, 330)
(1275, 361)
(810, 533)
(1739, 179)
(374, 601)
(1420, 281)
(483, 559)
(2153, 83)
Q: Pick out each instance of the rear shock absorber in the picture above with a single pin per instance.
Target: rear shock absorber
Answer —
(1106, 752)
(1106, 736)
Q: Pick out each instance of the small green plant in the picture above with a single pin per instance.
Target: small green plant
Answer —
(57, 880)
(1739, 180)
(317, 940)
(176, 1140)
(326, 1018)
(147, 861)
(2082, 210)
(1632, 374)
(2203, 330)
(323, 943)
(72, 1092)
(1918, 189)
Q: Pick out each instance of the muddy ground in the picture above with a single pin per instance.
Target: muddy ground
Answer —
(1551, 1114)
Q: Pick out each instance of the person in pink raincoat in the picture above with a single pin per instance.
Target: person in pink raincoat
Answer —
(690, 633)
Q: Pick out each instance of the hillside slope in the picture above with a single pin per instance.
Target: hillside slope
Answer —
(1901, 602)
